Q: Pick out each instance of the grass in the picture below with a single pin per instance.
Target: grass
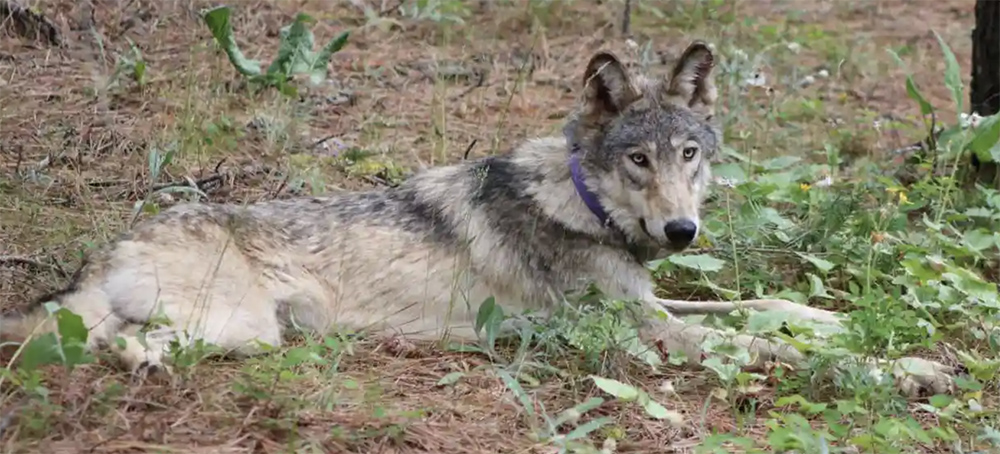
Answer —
(811, 97)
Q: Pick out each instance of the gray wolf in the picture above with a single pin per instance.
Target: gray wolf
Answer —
(624, 182)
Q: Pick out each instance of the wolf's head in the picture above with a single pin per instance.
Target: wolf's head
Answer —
(644, 145)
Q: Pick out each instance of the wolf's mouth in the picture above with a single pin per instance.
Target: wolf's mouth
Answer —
(642, 225)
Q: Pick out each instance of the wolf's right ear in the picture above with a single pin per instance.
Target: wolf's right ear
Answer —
(607, 87)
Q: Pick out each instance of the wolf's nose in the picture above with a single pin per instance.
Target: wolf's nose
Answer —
(680, 232)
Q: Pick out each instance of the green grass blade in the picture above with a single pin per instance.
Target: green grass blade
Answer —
(952, 74)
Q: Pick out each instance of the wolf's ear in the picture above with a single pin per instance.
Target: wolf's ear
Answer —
(607, 87)
(691, 83)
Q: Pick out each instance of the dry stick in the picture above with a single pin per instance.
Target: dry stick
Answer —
(391, 9)
(22, 260)
(480, 81)
(199, 183)
(468, 149)
(627, 18)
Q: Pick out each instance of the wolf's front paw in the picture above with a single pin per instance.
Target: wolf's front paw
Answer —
(917, 376)
(150, 370)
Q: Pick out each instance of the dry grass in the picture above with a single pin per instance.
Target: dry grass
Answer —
(73, 161)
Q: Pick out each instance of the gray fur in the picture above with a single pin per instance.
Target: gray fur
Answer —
(418, 259)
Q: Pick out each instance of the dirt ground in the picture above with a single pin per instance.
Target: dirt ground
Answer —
(75, 138)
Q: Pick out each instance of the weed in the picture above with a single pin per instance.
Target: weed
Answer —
(810, 208)
(295, 54)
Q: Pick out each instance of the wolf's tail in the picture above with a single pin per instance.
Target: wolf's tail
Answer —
(91, 304)
(18, 327)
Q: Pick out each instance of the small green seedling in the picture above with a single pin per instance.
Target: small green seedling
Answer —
(295, 54)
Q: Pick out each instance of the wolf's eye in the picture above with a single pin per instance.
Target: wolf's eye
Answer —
(639, 159)
(689, 153)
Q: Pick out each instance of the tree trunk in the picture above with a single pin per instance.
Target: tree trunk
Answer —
(984, 94)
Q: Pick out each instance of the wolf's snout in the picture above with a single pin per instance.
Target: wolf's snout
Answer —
(681, 232)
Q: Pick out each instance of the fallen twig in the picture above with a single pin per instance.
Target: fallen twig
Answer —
(26, 261)
(627, 18)
(468, 149)
(200, 183)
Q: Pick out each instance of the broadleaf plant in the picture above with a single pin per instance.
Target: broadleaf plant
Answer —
(295, 53)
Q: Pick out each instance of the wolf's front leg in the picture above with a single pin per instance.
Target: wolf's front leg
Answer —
(914, 376)
(673, 334)
(795, 311)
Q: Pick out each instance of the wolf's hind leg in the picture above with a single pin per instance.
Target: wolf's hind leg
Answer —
(674, 334)
(914, 376)
(235, 324)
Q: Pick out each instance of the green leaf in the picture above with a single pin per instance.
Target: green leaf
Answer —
(586, 429)
(911, 87)
(816, 287)
(731, 170)
(68, 348)
(40, 351)
(218, 23)
(577, 411)
(808, 407)
(450, 379)
(657, 411)
(760, 322)
(780, 162)
(300, 355)
(295, 51)
(940, 400)
(489, 319)
(73, 338)
(984, 143)
(726, 372)
(701, 262)
(485, 311)
(319, 69)
(979, 239)
(952, 73)
(616, 388)
(515, 387)
(823, 265)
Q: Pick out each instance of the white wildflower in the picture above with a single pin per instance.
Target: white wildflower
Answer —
(667, 387)
(757, 79)
(823, 74)
(807, 81)
(794, 47)
(727, 182)
(876, 375)
(827, 181)
(969, 120)
(631, 44)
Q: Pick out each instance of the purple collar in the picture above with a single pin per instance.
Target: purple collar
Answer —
(588, 197)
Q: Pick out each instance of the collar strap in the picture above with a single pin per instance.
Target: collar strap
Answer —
(588, 197)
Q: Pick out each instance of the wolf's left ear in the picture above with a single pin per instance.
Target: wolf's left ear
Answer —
(691, 83)
(607, 86)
